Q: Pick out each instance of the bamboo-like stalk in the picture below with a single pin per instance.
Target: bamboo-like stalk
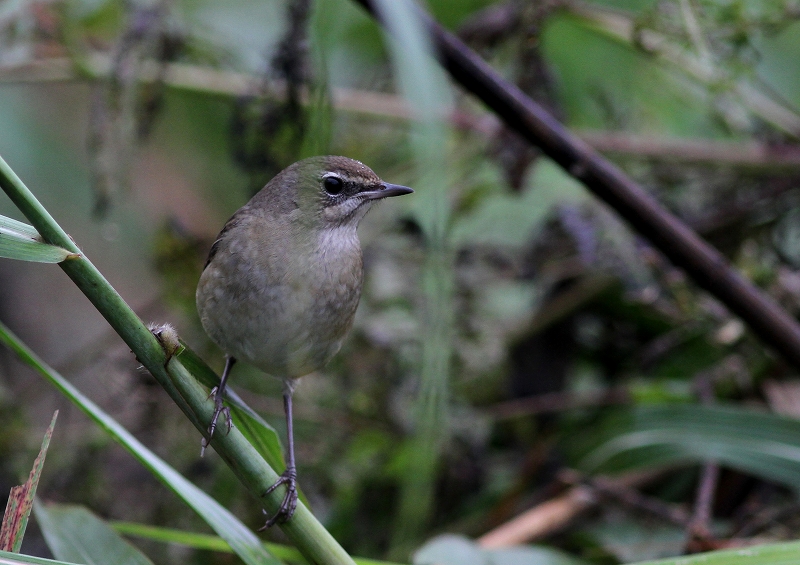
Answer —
(305, 531)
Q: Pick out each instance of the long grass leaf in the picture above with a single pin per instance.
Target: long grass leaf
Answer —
(772, 554)
(8, 558)
(762, 444)
(22, 242)
(257, 431)
(214, 543)
(243, 541)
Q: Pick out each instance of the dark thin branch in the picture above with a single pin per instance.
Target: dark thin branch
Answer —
(767, 517)
(701, 518)
(207, 80)
(557, 402)
(699, 530)
(628, 496)
(492, 24)
(703, 263)
(739, 153)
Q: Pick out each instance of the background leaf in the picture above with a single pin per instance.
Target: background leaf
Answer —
(75, 534)
(770, 554)
(763, 444)
(459, 550)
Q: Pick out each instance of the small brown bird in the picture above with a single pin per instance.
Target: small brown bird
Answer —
(283, 280)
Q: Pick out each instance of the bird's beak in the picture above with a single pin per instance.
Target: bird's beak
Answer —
(385, 191)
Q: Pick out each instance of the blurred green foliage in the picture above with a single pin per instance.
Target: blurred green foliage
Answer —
(495, 298)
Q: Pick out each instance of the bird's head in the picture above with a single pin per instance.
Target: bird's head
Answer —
(328, 191)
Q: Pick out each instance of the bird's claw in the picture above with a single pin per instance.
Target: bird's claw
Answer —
(219, 408)
(289, 503)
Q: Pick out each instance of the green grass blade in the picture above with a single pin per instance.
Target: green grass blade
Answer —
(257, 431)
(20, 228)
(772, 554)
(243, 541)
(452, 550)
(259, 434)
(762, 444)
(8, 558)
(74, 534)
(214, 543)
(22, 242)
(195, 540)
(254, 428)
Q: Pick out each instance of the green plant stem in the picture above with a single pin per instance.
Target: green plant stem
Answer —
(310, 537)
(249, 466)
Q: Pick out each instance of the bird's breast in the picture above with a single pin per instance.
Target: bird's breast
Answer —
(283, 306)
(338, 276)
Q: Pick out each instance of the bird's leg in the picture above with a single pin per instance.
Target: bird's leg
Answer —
(289, 476)
(218, 392)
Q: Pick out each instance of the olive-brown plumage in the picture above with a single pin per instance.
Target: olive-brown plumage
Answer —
(283, 279)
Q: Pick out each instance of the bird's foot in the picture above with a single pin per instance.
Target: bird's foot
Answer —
(289, 503)
(219, 408)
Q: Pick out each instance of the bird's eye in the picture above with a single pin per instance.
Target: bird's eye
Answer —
(333, 185)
